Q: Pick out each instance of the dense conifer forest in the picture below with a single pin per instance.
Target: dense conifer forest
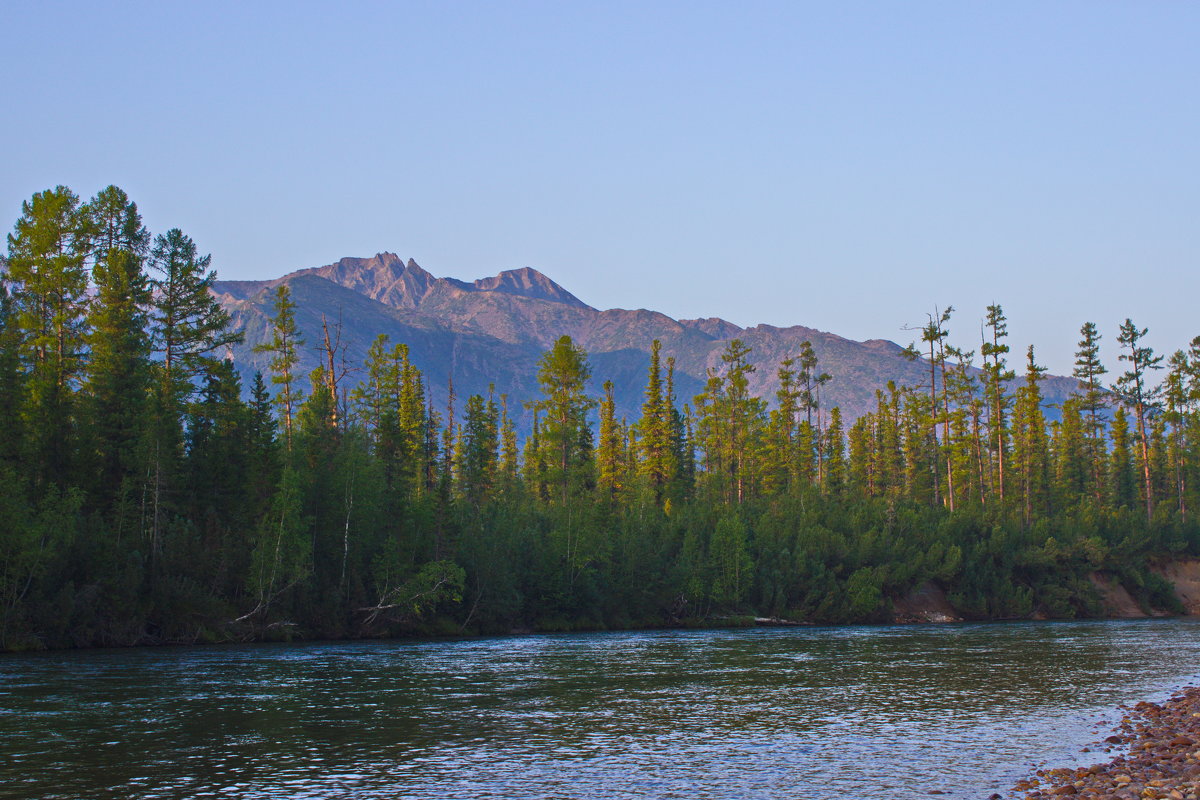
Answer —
(145, 500)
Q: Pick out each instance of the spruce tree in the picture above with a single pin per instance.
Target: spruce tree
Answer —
(509, 454)
(835, 453)
(119, 378)
(563, 373)
(610, 467)
(1074, 456)
(479, 458)
(283, 347)
(1179, 407)
(656, 462)
(1031, 458)
(782, 469)
(1124, 483)
(1090, 371)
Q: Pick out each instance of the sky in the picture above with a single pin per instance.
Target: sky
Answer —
(845, 166)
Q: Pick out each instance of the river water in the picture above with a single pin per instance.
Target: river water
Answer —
(858, 712)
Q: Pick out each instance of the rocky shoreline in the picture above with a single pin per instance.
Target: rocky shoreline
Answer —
(1163, 759)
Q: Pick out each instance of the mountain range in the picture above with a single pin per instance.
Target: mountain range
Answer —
(490, 332)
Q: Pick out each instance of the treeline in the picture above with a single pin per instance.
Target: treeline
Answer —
(144, 500)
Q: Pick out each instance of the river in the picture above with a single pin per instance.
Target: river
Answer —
(858, 712)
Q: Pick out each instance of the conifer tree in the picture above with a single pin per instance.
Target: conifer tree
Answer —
(682, 454)
(115, 224)
(861, 473)
(810, 400)
(533, 460)
(934, 334)
(729, 423)
(783, 467)
(563, 373)
(119, 377)
(509, 454)
(1134, 390)
(1073, 453)
(963, 409)
(191, 328)
(1124, 484)
(1179, 407)
(412, 424)
(610, 466)
(479, 457)
(1031, 453)
(11, 377)
(188, 327)
(47, 276)
(261, 434)
(283, 348)
(656, 463)
(835, 452)
(889, 459)
(1090, 371)
(996, 376)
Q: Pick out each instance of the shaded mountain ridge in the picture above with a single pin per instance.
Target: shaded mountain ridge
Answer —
(490, 333)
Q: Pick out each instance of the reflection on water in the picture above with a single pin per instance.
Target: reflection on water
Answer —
(813, 713)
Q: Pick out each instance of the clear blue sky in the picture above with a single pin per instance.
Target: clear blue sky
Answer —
(840, 165)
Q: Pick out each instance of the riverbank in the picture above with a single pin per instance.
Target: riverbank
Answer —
(1163, 758)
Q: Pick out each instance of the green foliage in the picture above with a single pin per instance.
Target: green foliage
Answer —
(147, 500)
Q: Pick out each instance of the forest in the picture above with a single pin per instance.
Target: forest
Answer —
(149, 497)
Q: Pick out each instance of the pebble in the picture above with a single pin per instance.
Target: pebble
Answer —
(1161, 763)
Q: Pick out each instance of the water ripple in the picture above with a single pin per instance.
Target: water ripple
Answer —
(889, 712)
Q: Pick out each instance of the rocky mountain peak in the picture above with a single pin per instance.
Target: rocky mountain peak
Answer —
(528, 282)
(384, 277)
(713, 327)
(493, 330)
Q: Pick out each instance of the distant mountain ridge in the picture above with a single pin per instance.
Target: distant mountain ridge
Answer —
(490, 332)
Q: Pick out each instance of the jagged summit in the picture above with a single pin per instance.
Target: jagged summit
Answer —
(391, 280)
(528, 282)
(715, 327)
(488, 334)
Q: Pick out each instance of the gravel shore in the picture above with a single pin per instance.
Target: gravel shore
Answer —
(1163, 759)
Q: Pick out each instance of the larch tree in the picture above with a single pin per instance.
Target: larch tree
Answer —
(729, 422)
(188, 327)
(191, 328)
(48, 280)
(812, 380)
(12, 377)
(996, 375)
(1133, 388)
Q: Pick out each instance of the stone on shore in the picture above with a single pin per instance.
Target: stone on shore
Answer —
(1162, 761)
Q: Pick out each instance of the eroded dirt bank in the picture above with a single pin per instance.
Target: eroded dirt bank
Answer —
(929, 603)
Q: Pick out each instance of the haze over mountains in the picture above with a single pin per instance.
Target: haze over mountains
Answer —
(491, 332)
